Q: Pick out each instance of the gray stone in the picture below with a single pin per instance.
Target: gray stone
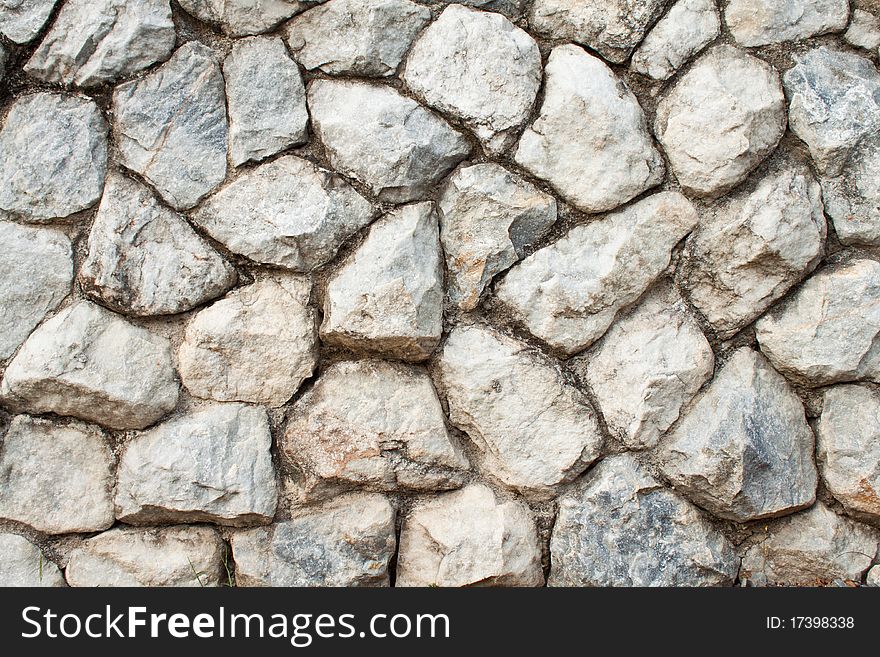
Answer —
(245, 17)
(761, 22)
(22, 20)
(873, 577)
(23, 564)
(512, 8)
(3, 57)
(864, 30)
(852, 198)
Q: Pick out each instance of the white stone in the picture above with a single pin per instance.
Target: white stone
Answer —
(761, 22)
(873, 578)
(23, 564)
(864, 30)
(245, 17)
(22, 20)
(852, 198)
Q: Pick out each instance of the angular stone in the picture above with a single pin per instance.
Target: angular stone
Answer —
(752, 246)
(212, 464)
(534, 430)
(266, 98)
(761, 22)
(480, 68)
(512, 8)
(620, 527)
(22, 20)
(245, 17)
(170, 126)
(852, 198)
(146, 259)
(873, 578)
(647, 367)
(814, 547)
(347, 542)
(56, 478)
(388, 296)
(590, 140)
(258, 344)
(170, 556)
(288, 212)
(23, 564)
(93, 42)
(356, 37)
(569, 301)
(387, 141)
(488, 217)
(53, 156)
(92, 364)
(826, 332)
(721, 120)
(864, 30)
(744, 451)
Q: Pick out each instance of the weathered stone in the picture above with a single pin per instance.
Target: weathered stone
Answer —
(761, 22)
(170, 556)
(469, 538)
(488, 217)
(873, 578)
(258, 344)
(864, 30)
(721, 120)
(212, 464)
(22, 20)
(384, 139)
(347, 542)
(744, 450)
(266, 98)
(388, 297)
(569, 300)
(287, 212)
(245, 17)
(92, 364)
(534, 430)
(3, 58)
(23, 564)
(814, 547)
(752, 246)
(53, 156)
(852, 198)
(479, 67)
(56, 478)
(171, 127)
(512, 8)
(620, 527)
(647, 367)
(93, 42)
(590, 140)
(826, 332)
(146, 259)
(356, 37)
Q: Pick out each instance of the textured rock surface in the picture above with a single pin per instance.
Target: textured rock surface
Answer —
(23, 564)
(245, 17)
(760, 22)
(864, 30)
(469, 538)
(511, 8)
(22, 20)
(873, 577)
(852, 198)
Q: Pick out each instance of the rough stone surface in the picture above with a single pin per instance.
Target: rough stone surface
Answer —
(347, 542)
(23, 564)
(590, 140)
(852, 198)
(22, 20)
(620, 527)
(3, 57)
(208, 465)
(469, 538)
(534, 430)
(569, 301)
(761, 22)
(92, 364)
(864, 30)
(873, 578)
(512, 8)
(245, 17)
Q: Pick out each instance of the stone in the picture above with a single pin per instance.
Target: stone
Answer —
(356, 37)
(873, 578)
(744, 450)
(512, 8)
(480, 68)
(383, 139)
(211, 464)
(56, 478)
(388, 296)
(347, 542)
(266, 99)
(534, 430)
(687, 28)
(53, 156)
(171, 128)
(762, 22)
(488, 218)
(94, 42)
(36, 270)
(621, 527)
(3, 58)
(753, 245)
(590, 141)
(22, 20)
(613, 28)
(92, 364)
(864, 30)
(720, 120)
(569, 301)
(288, 213)
(145, 259)
(848, 441)
(852, 198)
(649, 365)
(469, 538)
(257, 345)
(23, 564)
(834, 103)
(826, 332)
(167, 556)
(372, 424)
(239, 18)
(814, 547)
